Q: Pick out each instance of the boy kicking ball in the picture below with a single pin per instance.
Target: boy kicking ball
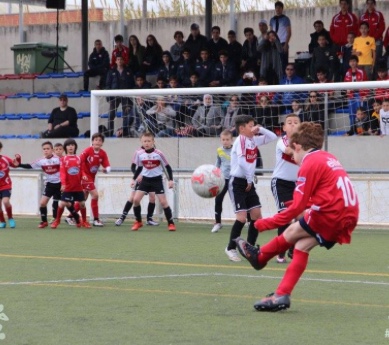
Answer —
(326, 194)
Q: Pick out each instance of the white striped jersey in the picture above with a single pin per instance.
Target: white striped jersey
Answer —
(50, 167)
(286, 168)
(153, 163)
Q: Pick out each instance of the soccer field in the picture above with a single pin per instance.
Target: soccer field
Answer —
(110, 285)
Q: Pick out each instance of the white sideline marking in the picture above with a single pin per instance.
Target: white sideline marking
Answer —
(81, 280)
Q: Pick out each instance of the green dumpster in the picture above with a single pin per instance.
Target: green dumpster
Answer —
(28, 57)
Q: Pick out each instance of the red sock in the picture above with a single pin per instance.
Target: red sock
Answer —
(293, 273)
(59, 213)
(83, 214)
(276, 246)
(76, 206)
(95, 208)
(9, 212)
(2, 219)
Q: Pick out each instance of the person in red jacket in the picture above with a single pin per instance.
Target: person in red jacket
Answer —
(356, 98)
(386, 45)
(120, 50)
(342, 24)
(330, 204)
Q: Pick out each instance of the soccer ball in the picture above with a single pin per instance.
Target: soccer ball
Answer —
(207, 181)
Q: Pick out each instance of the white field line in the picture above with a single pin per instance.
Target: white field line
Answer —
(82, 280)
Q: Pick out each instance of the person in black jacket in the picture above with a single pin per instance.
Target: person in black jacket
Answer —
(319, 31)
(195, 42)
(168, 67)
(234, 50)
(205, 68)
(224, 73)
(119, 78)
(153, 55)
(184, 68)
(249, 52)
(98, 64)
(216, 44)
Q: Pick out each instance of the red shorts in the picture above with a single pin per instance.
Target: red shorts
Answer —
(88, 186)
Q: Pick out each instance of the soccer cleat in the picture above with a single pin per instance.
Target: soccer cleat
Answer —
(171, 227)
(43, 225)
(70, 221)
(3, 225)
(290, 253)
(232, 255)
(97, 222)
(85, 224)
(54, 224)
(119, 221)
(152, 222)
(273, 302)
(216, 227)
(249, 252)
(137, 225)
(11, 223)
(281, 260)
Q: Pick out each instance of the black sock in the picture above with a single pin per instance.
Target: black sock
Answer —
(137, 213)
(74, 214)
(168, 215)
(55, 208)
(218, 211)
(252, 233)
(235, 232)
(126, 209)
(150, 210)
(43, 212)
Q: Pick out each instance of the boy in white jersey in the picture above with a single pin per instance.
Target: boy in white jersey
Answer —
(285, 173)
(241, 187)
(151, 163)
(50, 164)
(384, 117)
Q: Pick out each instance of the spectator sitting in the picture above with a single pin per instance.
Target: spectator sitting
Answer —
(247, 100)
(161, 119)
(207, 119)
(216, 44)
(314, 110)
(195, 42)
(386, 45)
(189, 102)
(382, 93)
(137, 51)
(269, 95)
(249, 51)
(177, 48)
(266, 115)
(224, 72)
(319, 30)
(271, 65)
(184, 68)
(345, 53)
(168, 68)
(121, 50)
(296, 109)
(362, 125)
(160, 84)
(153, 55)
(205, 67)
(324, 55)
(62, 122)
(98, 64)
(233, 110)
(234, 50)
(194, 80)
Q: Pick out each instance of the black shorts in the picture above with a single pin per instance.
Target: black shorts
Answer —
(6, 193)
(52, 190)
(151, 184)
(282, 192)
(322, 242)
(242, 200)
(72, 196)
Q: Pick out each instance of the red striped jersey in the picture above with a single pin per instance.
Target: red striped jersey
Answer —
(153, 163)
(286, 168)
(50, 167)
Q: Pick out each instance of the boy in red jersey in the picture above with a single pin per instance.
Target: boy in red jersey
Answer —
(91, 159)
(151, 163)
(71, 188)
(326, 194)
(6, 188)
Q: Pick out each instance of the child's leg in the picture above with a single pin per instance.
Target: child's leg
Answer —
(219, 203)
(8, 207)
(166, 208)
(95, 204)
(43, 208)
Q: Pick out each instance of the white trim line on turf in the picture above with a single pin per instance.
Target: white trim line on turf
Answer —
(83, 280)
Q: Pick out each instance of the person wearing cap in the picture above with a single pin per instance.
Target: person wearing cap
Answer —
(195, 41)
(62, 122)
(234, 49)
(167, 68)
(216, 44)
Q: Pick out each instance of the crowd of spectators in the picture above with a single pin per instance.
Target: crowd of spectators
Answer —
(351, 50)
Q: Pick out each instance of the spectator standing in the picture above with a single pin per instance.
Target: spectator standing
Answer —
(153, 55)
(324, 55)
(63, 121)
(263, 29)
(216, 44)
(386, 45)
(137, 51)
(280, 23)
(362, 125)
(176, 48)
(345, 53)
(195, 41)
(120, 49)
(98, 64)
(234, 49)
(249, 52)
(319, 30)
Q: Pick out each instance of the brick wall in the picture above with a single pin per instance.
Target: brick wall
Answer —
(73, 16)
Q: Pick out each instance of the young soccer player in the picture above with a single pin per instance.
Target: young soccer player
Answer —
(49, 164)
(130, 201)
(151, 163)
(326, 194)
(6, 188)
(71, 176)
(223, 161)
(241, 187)
(384, 117)
(91, 159)
(285, 174)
